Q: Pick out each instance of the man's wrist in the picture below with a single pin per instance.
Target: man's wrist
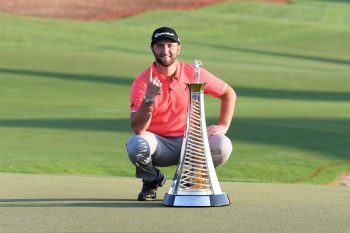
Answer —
(148, 100)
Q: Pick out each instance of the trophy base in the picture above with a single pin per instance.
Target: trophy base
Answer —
(196, 200)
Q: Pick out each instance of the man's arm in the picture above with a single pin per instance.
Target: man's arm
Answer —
(228, 101)
(141, 119)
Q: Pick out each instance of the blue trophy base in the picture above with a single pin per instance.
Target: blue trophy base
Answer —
(196, 200)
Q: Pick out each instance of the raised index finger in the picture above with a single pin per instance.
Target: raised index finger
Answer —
(150, 74)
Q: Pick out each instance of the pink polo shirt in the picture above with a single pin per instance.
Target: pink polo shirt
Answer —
(170, 107)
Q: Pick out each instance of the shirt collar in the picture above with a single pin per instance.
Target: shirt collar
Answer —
(162, 77)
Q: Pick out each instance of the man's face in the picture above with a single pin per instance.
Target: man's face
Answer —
(165, 52)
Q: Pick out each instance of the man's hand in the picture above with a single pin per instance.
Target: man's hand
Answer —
(216, 129)
(153, 86)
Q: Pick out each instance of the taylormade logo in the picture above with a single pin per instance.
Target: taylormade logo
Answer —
(163, 33)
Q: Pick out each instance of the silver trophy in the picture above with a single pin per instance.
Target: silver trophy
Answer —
(195, 182)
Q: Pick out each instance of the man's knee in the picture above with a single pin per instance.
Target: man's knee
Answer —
(220, 148)
(138, 149)
(141, 147)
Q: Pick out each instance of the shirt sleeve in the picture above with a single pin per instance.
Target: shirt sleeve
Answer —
(214, 86)
(138, 90)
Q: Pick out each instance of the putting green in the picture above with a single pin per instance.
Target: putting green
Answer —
(50, 203)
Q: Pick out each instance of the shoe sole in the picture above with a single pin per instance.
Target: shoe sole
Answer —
(146, 199)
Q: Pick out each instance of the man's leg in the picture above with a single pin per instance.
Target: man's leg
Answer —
(147, 151)
(168, 151)
(140, 149)
(220, 148)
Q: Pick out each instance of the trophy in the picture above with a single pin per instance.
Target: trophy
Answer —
(195, 182)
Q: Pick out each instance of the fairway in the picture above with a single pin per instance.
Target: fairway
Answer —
(64, 119)
(65, 84)
(51, 203)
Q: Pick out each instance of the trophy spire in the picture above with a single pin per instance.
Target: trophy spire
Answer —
(195, 182)
(197, 70)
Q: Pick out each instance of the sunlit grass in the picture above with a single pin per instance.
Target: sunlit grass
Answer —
(64, 88)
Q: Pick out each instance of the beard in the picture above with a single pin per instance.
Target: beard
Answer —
(165, 63)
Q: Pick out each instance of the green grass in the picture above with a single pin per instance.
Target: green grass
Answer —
(64, 88)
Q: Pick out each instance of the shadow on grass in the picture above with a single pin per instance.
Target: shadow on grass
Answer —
(241, 91)
(291, 94)
(69, 76)
(101, 124)
(277, 54)
(78, 202)
(330, 137)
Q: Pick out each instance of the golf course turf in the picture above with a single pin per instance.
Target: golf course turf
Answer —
(51, 203)
(65, 88)
(64, 119)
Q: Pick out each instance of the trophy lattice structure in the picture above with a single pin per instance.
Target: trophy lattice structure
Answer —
(195, 182)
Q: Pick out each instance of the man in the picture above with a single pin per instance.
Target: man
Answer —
(159, 100)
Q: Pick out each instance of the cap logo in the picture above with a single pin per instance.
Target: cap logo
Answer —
(163, 33)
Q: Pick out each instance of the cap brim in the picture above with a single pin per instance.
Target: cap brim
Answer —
(165, 38)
